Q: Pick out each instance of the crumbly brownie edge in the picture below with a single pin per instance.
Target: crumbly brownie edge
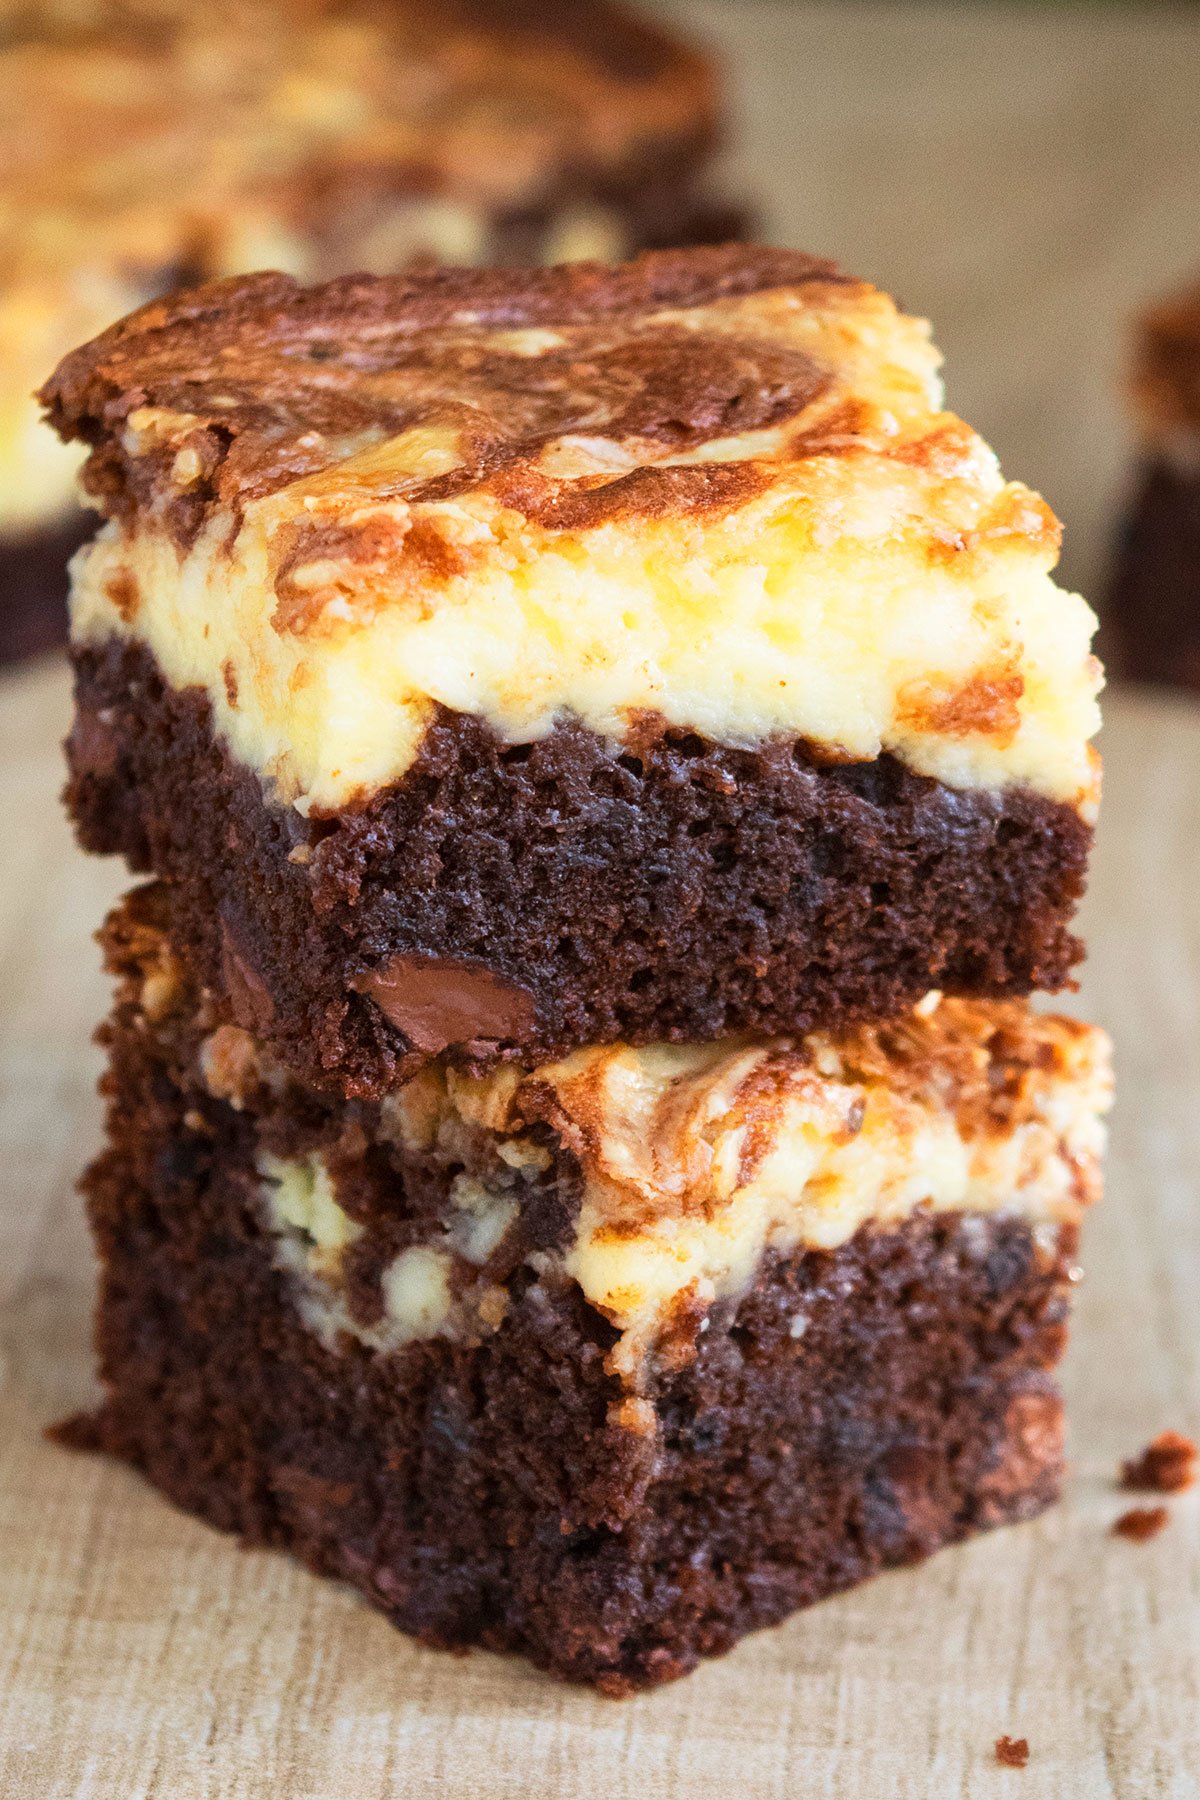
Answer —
(682, 892)
(496, 1494)
(1150, 624)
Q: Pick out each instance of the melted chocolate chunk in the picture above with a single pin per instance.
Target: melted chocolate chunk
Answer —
(93, 746)
(249, 996)
(437, 1002)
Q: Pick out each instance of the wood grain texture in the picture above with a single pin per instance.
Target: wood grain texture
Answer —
(142, 1654)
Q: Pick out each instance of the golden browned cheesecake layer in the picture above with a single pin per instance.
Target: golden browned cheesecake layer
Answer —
(693, 1162)
(716, 489)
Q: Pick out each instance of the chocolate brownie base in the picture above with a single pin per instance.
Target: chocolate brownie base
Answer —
(1151, 624)
(502, 1492)
(525, 900)
(33, 586)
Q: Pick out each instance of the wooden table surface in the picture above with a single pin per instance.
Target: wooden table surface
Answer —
(143, 1654)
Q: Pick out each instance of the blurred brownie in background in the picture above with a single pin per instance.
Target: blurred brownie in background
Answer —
(1152, 621)
(146, 145)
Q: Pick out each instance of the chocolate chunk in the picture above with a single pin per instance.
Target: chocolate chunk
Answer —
(437, 1002)
(904, 1499)
(249, 995)
(93, 746)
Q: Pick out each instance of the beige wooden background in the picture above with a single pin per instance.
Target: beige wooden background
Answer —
(1023, 174)
(142, 1655)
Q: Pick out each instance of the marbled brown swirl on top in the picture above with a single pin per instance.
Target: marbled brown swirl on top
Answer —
(262, 381)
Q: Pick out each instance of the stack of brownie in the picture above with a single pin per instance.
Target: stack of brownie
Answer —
(613, 763)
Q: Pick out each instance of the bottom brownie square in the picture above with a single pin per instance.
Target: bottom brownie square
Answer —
(607, 1363)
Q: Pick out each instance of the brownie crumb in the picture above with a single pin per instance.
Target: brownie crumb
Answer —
(1166, 1466)
(1012, 1753)
(1141, 1523)
(80, 1432)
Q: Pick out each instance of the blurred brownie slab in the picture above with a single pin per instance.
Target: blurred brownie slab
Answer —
(34, 584)
(606, 1362)
(175, 144)
(1152, 618)
(503, 662)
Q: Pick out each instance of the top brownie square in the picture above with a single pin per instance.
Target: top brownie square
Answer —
(500, 662)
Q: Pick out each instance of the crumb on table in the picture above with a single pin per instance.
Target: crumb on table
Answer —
(1012, 1753)
(1141, 1523)
(1165, 1466)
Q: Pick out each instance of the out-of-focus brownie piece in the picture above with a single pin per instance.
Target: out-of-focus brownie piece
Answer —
(155, 145)
(34, 586)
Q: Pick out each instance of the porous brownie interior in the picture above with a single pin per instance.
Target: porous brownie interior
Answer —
(680, 891)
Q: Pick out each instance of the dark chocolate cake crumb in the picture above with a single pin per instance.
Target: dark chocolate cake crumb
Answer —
(1165, 1466)
(1012, 1753)
(79, 1432)
(1141, 1523)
